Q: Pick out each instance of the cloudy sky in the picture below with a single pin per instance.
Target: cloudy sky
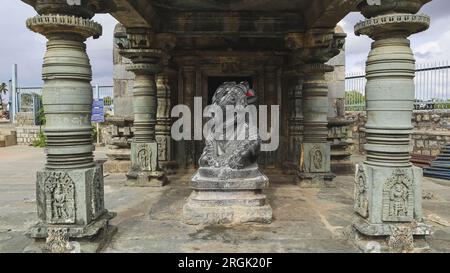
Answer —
(26, 49)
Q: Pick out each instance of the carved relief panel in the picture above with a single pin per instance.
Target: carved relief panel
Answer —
(60, 198)
(162, 147)
(145, 156)
(97, 195)
(361, 192)
(315, 157)
(398, 197)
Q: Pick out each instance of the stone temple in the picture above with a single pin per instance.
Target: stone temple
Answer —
(166, 52)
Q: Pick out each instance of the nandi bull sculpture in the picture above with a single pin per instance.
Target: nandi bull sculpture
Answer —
(228, 187)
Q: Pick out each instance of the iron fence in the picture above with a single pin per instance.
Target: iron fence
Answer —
(431, 82)
(99, 92)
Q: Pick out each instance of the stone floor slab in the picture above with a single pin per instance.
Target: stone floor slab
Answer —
(149, 219)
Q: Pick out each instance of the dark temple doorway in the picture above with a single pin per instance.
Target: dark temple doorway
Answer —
(215, 82)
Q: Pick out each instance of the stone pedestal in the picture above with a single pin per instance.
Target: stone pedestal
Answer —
(315, 163)
(227, 197)
(339, 135)
(71, 204)
(388, 203)
(120, 134)
(144, 166)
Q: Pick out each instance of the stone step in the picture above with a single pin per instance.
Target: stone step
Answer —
(437, 173)
(8, 139)
(8, 131)
(440, 168)
(443, 164)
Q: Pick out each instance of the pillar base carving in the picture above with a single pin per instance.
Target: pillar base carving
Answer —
(315, 165)
(390, 238)
(71, 205)
(90, 239)
(388, 204)
(144, 166)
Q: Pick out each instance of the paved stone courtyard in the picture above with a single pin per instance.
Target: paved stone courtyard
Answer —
(149, 219)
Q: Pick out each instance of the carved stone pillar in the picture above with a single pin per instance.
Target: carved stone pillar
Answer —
(295, 128)
(163, 118)
(268, 159)
(70, 197)
(315, 157)
(388, 188)
(311, 51)
(188, 99)
(139, 47)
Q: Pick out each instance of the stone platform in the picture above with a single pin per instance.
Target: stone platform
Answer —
(150, 219)
(228, 197)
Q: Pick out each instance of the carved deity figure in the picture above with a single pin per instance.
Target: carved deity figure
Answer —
(361, 201)
(59, 203)
(144, 156)
(399, 200)
(316, 157)
(60, 192)
(230, 151)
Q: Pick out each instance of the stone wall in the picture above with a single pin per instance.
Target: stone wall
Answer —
(431, 133)
(25, 119)
(27, 134)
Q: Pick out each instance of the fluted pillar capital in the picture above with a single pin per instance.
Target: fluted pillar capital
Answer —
(392, 19)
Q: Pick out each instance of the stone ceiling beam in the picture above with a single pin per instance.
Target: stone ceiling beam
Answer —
(327, 13)
(134, 13)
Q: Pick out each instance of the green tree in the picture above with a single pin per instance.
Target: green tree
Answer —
(355, 101)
